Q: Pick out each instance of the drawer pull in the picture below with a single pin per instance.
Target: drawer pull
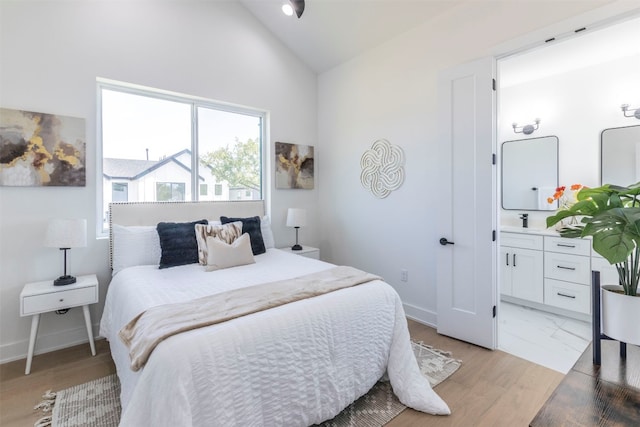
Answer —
(564, 245)
(566, 296)
(61, 299)
(566, 268)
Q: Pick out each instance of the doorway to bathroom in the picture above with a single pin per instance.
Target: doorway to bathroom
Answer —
(571, 90)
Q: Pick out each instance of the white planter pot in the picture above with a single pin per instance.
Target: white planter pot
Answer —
(620, 315)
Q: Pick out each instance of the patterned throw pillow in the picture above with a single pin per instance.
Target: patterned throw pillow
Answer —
(227, 233)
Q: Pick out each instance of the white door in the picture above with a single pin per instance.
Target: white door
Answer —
(467, 199)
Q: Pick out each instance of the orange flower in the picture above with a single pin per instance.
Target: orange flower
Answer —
(565, 201)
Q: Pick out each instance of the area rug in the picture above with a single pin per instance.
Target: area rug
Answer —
(97, 403)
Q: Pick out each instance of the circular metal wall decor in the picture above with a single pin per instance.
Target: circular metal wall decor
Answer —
(382, 168)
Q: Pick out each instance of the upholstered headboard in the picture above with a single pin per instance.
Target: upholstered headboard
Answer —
(151, 213)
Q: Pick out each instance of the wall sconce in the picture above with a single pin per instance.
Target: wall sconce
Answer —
(632, 113)
(526, 129)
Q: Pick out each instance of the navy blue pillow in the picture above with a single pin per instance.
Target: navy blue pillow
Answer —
(250, 225)
(178, 243)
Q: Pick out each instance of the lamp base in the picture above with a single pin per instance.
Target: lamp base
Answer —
(64, 280)
(296, 247)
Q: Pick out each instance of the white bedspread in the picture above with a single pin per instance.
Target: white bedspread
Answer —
(293, 365)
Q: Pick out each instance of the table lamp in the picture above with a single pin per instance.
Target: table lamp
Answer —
(66, 234)
(296, 218)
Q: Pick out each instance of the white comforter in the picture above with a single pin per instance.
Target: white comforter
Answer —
(293, 365)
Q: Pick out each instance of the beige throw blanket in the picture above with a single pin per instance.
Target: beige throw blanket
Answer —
(142, 334)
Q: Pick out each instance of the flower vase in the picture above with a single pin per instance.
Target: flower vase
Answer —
(567, 222)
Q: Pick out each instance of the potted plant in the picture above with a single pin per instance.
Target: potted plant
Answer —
(610, 214)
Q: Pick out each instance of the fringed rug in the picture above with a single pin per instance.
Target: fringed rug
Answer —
(97, 403)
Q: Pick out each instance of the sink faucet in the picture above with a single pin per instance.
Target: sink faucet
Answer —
(525, 220)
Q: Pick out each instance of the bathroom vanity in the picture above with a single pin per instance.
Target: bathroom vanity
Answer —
(542, 270)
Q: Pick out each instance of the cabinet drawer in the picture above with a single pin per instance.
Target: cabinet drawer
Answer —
(58, 300)
(567, 246)
(569, 296)
(521, 240)
(570, 268)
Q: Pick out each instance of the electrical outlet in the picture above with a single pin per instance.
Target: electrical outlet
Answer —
(404, 275)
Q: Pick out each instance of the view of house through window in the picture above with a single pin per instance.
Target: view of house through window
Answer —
(148, 142)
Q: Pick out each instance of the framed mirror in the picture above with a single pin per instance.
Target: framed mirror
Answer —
(620, 155)
(529, 173)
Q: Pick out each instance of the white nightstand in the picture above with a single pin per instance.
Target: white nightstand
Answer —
(43, 297)
(307, 251)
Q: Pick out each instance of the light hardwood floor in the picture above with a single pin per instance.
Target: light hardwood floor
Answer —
(491, 388)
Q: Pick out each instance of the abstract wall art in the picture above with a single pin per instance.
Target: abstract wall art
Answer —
(382, 168)
(40, 149)
(294, 166)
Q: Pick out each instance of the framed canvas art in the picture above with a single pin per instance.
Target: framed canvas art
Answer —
(40, 149)
(294, 166)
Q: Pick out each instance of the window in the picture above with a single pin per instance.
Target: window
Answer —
(170, 191)
(120, 192)
(148, 141)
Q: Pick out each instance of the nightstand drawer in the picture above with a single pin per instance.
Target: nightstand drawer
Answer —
(58, 300)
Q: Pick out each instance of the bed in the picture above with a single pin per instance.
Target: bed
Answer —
(295, 364)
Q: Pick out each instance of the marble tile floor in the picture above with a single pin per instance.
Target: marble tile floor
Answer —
(547, 339)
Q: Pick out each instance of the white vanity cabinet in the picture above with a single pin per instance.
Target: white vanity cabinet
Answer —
(521, 260)
(551, 273)
(567, 273)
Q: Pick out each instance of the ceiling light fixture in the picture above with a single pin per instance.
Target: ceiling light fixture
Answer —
(293, 5)
(287, 9)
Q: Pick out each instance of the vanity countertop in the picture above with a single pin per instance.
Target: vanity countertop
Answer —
(538, 231)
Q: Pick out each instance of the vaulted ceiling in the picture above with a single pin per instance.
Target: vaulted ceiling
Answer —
(331, 32)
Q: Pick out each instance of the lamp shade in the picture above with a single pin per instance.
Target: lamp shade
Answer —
(66, 233)
(296, 217)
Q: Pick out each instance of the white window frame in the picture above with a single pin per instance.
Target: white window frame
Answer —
(101, 83)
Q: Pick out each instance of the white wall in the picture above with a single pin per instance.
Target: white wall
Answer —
(576, 107)
(390, 92)
(51, 54)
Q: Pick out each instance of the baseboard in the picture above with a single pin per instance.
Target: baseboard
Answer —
(421, 315)
(46, 343)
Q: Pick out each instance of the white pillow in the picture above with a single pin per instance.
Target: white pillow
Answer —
(228, 233)
(134, 245)
(267, 233)
(223, 255)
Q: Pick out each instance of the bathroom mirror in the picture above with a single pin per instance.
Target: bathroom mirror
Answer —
(529, 173)
(620, 155)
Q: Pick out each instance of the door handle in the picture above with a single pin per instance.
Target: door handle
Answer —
(444, 242)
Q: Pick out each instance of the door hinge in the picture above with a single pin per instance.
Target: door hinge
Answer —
(493, 235)
(494, 311)
(493, 159)
(494, 84)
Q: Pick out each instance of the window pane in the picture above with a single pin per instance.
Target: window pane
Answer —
(230, 150)
(145, 140)
(170, 191)
(147, 148)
